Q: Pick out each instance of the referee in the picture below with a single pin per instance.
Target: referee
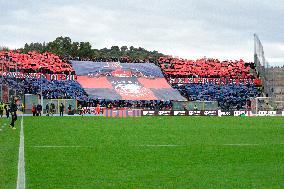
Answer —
(13, 110)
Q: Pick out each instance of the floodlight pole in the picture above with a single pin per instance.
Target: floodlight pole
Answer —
(16, 78)
(2, 80)
(41, 97)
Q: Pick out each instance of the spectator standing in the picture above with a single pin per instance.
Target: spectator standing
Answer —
(61, 109)
(184, 107)
(34, 109)
(52, 108)
(47, 109)
(6, 107)
(110, 106)
(14, 109)
(70, 109)
(98, 109)
(195, 107)
(39, 109)
(1, 109)
(23, 108)
(80, 110)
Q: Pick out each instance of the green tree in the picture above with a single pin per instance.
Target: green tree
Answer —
(60, 46)
(74, 49)
(85, 50)
(3, 48)
(124, 49)
(64, 47)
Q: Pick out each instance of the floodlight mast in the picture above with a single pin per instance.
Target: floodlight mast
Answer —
(2, 80)
(41, 97)
(16, 78)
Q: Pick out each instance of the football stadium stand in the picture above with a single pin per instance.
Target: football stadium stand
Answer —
(231, 83)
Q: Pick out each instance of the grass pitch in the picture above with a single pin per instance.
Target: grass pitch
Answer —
(9, 146)
(148, 152)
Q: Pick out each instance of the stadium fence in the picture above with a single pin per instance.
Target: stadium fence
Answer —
(189, 105)
(30, 99)
(267, 104)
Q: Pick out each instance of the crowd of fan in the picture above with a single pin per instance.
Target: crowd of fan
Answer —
(231, 96)
(33, 62)
(228, 96)
(72, 90)
(49, 89)
(206, 68)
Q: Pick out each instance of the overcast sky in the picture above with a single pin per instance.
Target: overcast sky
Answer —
(186, 28)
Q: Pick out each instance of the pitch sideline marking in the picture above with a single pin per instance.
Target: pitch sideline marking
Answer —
(158, 145)
(63, 146)
(163, 145)
(242, 144)
(21, 180)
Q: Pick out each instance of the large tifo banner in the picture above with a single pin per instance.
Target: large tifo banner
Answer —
(116, 81)
(21, 75)
(116, 69)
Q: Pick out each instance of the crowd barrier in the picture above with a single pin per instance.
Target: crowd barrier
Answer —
(122, 113)
(190, 105)
(139, 113)
(210, 113)
(30, 99)
(91, 110)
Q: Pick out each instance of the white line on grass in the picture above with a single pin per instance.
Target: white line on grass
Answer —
(62, 146)
(160, 145)
(150, 145)
(177, 145)
(241, 144)
(21, 180)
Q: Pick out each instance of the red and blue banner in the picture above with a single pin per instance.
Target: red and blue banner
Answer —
(116, 69)
(114, 81)
(128, 88)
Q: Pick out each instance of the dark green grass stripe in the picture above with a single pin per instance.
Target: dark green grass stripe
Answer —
(112, 155)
